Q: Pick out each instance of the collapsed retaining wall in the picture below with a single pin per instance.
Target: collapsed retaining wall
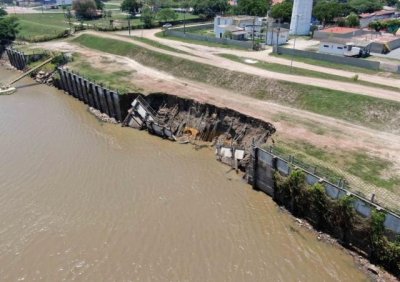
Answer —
(174, 117)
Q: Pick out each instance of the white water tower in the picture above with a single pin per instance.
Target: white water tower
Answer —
(301, 17)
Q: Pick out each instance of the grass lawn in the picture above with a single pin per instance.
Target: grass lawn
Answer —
(204, 32)
(37, 27)
(114, 80)
(112, 5)
(199, 42)
(305, 72)
(325, 64)
(157, 44)
(367, 111)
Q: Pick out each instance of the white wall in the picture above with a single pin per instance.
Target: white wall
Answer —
(271, 37)
(332, 48)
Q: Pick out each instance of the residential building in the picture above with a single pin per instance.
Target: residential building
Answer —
(367, 18)
(239, 26)
(276, 36)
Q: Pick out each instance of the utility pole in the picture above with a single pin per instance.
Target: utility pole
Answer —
(294, 43)
(184, 21)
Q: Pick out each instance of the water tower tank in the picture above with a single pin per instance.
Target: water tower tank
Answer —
(301, 17)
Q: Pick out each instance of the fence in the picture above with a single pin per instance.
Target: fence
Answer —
(373, 65)
(178, 32)
(265, 163)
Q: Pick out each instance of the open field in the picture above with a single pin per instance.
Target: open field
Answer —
(199, 42)
(367, 111)
(47, 26)
(38, 27)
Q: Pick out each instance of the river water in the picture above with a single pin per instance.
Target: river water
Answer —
(83, 200)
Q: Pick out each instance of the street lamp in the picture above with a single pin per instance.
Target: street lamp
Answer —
(294, 41)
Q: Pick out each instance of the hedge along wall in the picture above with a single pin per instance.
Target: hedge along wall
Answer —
(330, 208)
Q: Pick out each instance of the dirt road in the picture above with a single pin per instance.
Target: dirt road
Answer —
(383, 77)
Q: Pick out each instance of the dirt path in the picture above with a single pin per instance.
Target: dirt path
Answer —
(210, 52)
(338, 135)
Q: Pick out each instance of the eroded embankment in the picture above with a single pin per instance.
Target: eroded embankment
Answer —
(190, 120)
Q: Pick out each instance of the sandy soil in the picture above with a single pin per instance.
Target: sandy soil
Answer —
(338, 135)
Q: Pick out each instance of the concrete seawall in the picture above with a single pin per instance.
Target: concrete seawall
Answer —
(96, 96)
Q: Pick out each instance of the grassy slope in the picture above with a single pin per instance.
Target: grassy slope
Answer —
(305, 72)
(330, 65)
(34, 26)
(368, 111)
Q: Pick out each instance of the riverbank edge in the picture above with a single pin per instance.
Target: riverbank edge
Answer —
(360, 259)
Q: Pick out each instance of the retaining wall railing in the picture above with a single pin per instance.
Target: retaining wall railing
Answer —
(265, 163)
(96, 96)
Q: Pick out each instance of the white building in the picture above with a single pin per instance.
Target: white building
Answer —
(301, 17)
(239, 26)
(338, 46)
(277, 36)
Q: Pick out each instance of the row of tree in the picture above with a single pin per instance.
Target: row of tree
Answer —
(327, 10)
(8, 28)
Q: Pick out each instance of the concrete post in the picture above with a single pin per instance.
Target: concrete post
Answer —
(74, 86)
(89, 93)
(83, 90)
(77, 87)
(109, 102)
(68, 80)
(117, 106)
(62, 83)
(103, 102)
(255, 165)
(96, 96)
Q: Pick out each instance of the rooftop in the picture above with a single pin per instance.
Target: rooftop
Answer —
(339, 30)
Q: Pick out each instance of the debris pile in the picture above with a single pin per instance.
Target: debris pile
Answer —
(44, 77)
(101, 116)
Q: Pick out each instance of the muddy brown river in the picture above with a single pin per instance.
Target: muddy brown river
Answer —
(87, 201)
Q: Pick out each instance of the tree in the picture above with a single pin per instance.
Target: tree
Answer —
(85, 9)
(365, 6)
(99, 4)
(376, 25)
(8, 29)
(209, 8)
(131, 6)
(2, 12)
(326, 11)
(253, 7)
(147, 17)
(167, 14)
(282, 11)
(353, 20)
